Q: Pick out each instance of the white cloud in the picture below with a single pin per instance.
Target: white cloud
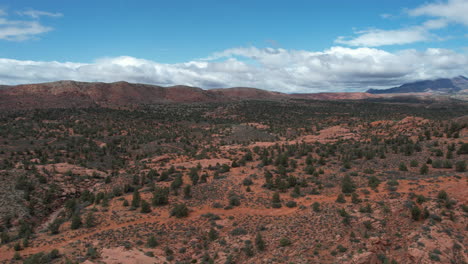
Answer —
(455, 11)
(17, 30)
(37, 13)
(379, 37)
(334, 69)
(452, 10)
(435, 24)
(386, 16)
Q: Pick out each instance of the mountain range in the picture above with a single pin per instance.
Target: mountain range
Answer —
(65, 94)
(443, 85)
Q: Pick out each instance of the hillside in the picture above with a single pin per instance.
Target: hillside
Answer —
(254, 181)
(73, 94)
(443, 85)
(66, 94)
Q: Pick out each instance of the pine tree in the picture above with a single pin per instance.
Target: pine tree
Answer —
(136, 201)
(259, 243)
(152, 242)
(424, 169)
(145, 207)
(347, 185)
(187, 191)
(276, 200)
(179, 211)
(160, 196)
(340, 198)
(90, 221)
(76, 222)
(213, 234)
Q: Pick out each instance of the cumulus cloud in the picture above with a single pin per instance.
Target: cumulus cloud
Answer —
(292, 71)
(37, 13)
(19, 30)
(453, 10)
(379, 37)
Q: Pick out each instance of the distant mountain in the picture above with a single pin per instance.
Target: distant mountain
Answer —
(444, 85)
(334, 96)
(66, 94)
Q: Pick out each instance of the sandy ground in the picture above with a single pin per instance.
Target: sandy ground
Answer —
(456, 187)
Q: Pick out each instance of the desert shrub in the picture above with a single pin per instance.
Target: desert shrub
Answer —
(247, 182)
(238, 231)
(436, 164)
(403, 167)
(373, 182)
(179, 210)
(424, 169)
(367, 224)
(136, 201)
(291, 204)
(76, 222)
(347, 185)
(188, 191)
(90, 220)
(415, 213)
(160, 196)
(460, 166)
(213, 234)
(340, 198)
(421, 199)
(316, 206)
(54, 227)
(234, 200)
(152, 242)
(285, 242)
(17, 256)
(259, 242)
(355, 198)
(276, 200)
(92, 253)
(42, 258)
(341, 248)
(366, 209)
(145, 207)
(442, 195)
(211, 216)
(248, 248)
(463, 149)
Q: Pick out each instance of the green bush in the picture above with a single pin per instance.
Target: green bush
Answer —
(179, 211)
(259, 242)
(340, 198)
(460, 166)
(316, 207)
(152, 242)
(145, 207)
(285, 242)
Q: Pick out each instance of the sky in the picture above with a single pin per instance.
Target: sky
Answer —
(292, 46)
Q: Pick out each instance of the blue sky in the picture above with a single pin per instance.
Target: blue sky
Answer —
(290, 46)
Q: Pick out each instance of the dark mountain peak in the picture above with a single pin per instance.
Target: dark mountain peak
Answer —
(441, 85)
